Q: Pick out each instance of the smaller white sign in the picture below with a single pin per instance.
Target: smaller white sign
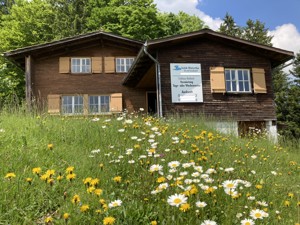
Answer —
(186, 82)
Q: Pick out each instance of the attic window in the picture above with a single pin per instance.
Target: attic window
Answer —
(81, 65)
(123, 64)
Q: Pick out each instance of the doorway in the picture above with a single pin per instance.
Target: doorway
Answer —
(151, 102)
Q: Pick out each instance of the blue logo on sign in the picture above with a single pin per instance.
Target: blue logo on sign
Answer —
(177, 67)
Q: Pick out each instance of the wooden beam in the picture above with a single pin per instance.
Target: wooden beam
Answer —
(28, 74)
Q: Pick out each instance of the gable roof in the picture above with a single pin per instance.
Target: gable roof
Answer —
(141, 64)
(59, 46)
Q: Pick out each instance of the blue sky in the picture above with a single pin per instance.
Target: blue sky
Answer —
(273, 13)
(281, 17)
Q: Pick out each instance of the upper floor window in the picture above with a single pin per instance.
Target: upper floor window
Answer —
(72, 104)
(99, 104)
(81, 65)
(123, 64)
(238, 80)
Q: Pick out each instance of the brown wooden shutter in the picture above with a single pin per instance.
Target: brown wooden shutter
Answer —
(259, 80)
(64, 65)
(217, 80)
(109, 64)
(54, 104)
(96, 64)
(116, 102)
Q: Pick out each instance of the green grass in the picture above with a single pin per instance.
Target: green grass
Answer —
(109, 147)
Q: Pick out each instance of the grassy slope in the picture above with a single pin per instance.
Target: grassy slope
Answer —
(23, 145)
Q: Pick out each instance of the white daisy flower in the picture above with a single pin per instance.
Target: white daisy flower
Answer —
(209, 222)
(173, 164)
(200, 204)
(247, 222)
(115, 203)
(177, 200)
(155, 168)
(258, 214)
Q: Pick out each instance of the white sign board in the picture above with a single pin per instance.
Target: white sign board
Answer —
(186, 82)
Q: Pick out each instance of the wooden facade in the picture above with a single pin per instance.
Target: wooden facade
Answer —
(148, 82)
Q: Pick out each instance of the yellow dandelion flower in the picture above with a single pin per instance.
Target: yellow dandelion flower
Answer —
(209, 190)
(36, 170)
(102, 201)
(98, 191)
(137, 146)
(76, 199)
(161, 180)
(70, 169)
(29, 180)
(66, 216)
(59, 178)
(50, 181)
(291, 195)
(50, 173)
(98, 211)
(71, 176)
(90, 189)
(95, 182)
(84, 208)
(101, 165)
(87, 181)
(50, 146)
(48, 219)
(258, 186)
(117, 179)
(287, 203)
(105, 207)
(185, 207)
(153, 222)
(10, 175)
(44, 177)
(109, 220)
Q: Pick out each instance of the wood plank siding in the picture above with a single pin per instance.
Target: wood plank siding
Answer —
(49, 79)
(211, 54)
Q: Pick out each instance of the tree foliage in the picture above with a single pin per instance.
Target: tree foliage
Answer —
(254, 31)
(286, 91)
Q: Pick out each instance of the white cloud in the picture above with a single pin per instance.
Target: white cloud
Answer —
(189, 7)
(286, 37)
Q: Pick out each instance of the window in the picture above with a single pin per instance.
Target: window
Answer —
(238, 80)
(80, 65)
(72, 104)
(98, 104)
(123, 64)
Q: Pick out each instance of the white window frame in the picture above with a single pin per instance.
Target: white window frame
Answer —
(123, 64)
(81, 65)
(72, 104)
(235, 81)
(102, 105)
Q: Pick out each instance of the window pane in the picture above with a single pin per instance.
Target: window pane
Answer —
(241, 86)
(232, 75)
(233, 86)
(246, 76)
(240, 74)
(227, 74)
(228, 86)
(247, 86)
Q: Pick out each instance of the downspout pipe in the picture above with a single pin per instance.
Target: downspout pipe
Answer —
(158, 81)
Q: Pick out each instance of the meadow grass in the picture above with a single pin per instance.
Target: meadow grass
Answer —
(137, 169)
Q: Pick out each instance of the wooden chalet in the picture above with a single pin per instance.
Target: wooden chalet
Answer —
(201, 73)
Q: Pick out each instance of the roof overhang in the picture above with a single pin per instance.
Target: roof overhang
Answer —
(275, 55)
(63, 45)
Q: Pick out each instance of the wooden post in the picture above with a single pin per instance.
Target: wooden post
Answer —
(28, 73)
